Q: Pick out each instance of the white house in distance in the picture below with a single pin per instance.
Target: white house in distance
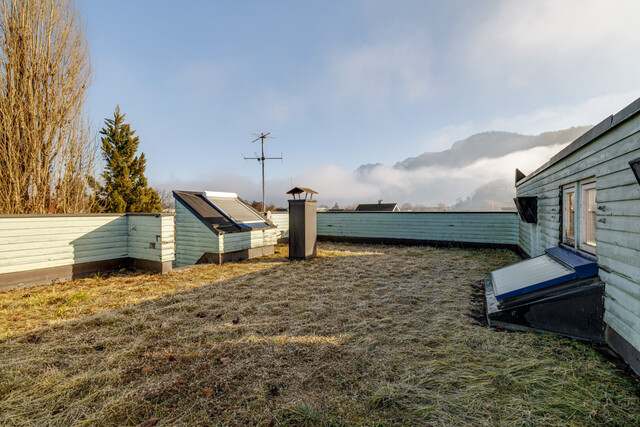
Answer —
(216, 227)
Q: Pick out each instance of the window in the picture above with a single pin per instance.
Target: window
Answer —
(579, 215)
(568, 214)
(588, 216)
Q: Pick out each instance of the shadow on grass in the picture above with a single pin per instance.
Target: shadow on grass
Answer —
(221, 344)
(368, 339)
(33, 307)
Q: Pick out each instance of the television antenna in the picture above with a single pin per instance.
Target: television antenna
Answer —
(262, 159)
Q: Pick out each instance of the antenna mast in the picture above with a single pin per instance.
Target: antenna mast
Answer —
(261, 159)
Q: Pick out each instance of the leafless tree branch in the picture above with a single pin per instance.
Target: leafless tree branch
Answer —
(46, 152)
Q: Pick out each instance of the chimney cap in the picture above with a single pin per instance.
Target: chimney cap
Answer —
(296, 191)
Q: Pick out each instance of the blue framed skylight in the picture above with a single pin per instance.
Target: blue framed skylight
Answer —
(555, 267)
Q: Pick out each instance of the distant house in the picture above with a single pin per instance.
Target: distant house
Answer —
(378, 207)
(216, 227)
(584, 205)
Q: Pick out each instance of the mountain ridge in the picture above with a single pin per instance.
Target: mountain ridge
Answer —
(491, 144)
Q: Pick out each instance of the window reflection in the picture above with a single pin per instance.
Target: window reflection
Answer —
(569, 216)
(590, 216)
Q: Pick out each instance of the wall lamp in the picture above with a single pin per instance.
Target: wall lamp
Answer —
(635, 167)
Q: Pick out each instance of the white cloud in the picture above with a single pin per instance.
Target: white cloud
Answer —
(429, 185)
(589, 112)
(524, 42)
(442, 139)
(378, 73)
(553, 117)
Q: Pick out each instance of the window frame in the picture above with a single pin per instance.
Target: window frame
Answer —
(588, 184)
(566, 191)
(579, 217)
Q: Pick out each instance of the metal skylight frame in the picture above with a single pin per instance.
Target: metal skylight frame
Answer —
(233, 196)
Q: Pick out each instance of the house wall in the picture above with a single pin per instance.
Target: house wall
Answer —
(194, 239)
(151, 238)
(618, 219)
(481, 228)
(43, 241)
(37, 248)
(232, 242)
(281, 220)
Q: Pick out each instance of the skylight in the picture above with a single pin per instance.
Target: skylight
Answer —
(234, 209)
(555, 267)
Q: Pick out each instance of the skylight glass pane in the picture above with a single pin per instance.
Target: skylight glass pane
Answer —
(528, 276)
(236, 210)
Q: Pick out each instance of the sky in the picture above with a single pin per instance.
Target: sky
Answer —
(341, 83)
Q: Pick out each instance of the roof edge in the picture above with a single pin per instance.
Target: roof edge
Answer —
(269, 223)
(595, 132)
(194, 213)
(220, 194)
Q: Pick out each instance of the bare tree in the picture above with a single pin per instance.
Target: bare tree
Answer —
(166, 200)
(46, 152)
(258, 206)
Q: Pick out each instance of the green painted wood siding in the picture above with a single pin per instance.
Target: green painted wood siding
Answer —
(232, 242)
(469, 227)
(44, 241)
(281, 220)
(194, 239)
(617, 223)
(151, 237)
(30, 243)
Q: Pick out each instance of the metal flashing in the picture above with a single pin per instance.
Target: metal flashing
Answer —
(215, 219)
(219, 194)
(584, 267)
(236, 211)
(298, 190)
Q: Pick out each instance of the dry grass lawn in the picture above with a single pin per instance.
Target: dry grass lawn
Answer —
(364, 335)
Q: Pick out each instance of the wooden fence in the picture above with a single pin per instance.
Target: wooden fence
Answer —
(43, 248)
(495, 229)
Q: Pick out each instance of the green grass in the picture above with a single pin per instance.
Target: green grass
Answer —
(362, 335)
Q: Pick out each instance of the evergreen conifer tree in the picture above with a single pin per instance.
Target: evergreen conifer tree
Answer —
(125, 186)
